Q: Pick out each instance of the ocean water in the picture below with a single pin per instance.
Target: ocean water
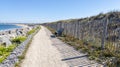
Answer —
(8, 26)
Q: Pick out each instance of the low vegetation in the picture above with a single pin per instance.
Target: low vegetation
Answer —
(98, 36)
(107, 55)
(31, 31)
(19, 39)
(34, 31)
(5, 51)
(93, 49)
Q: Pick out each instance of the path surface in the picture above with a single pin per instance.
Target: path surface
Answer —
(41, 53)
(51, 52)
(72, 57)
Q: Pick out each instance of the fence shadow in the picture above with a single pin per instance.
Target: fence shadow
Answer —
(65, 59)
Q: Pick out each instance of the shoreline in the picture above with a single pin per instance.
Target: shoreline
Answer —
(16, 31)
(7, 35)
(22, 26)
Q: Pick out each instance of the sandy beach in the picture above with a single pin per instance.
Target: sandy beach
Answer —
(22, 25)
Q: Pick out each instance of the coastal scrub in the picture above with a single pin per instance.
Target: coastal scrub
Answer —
(19, 39)
(5, 51)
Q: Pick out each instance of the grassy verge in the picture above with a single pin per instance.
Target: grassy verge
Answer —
(111, 57)
(23, 55)
(34, 31)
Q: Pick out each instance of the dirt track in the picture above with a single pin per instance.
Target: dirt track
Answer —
(42, 53)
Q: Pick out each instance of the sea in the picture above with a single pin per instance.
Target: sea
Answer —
(4, 26)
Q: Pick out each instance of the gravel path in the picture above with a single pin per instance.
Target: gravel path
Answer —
(51, 52)
(72, 57)
(42, 53)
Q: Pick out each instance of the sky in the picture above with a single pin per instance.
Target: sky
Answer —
(40, 11)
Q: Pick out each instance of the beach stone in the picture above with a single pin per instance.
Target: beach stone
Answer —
(18, 33)
(13, 57)
(21, 32)
(5, 41)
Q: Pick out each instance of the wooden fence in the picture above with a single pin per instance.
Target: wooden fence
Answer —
(102, 33)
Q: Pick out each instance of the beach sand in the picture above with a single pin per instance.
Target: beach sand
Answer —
(22, 25)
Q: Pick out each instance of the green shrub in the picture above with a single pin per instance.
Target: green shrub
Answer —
(5, 51)
(19, 39)
(1, 59)
(2, 48)
(10, 48)
(92, 57)
(21, 57)
(107, 53)
(78, 47)
(31, 31)
(85, 49)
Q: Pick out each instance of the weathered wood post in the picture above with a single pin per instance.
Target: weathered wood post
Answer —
(105, 26)
(82, 32)
(79, 30)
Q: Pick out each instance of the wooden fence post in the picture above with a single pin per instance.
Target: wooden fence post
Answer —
(105, 25)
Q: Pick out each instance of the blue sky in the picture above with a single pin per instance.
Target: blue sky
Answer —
(38, 11)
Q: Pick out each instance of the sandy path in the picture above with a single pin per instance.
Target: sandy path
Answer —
(42, 53)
